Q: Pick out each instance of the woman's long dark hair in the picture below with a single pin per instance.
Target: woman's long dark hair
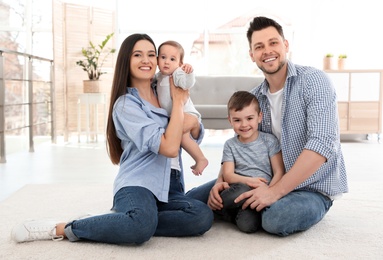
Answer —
(121, 80)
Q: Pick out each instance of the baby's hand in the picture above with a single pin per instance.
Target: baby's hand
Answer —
(187, 68)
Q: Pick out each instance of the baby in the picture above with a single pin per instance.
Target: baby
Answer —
(170, 62)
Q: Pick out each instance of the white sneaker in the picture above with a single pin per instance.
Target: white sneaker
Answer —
(35, 230)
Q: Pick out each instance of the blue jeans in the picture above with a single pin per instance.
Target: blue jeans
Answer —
(229, 195)
(139, 216)
(247, 220)
(297, 211)
(201, 192)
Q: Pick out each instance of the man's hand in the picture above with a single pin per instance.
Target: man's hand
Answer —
(215, 200)
(259, 197)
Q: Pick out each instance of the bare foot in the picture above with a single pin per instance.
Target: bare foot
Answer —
(200, 165)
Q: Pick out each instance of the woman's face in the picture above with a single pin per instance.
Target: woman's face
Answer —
(143, 62)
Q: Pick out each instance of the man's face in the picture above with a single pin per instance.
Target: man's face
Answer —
(268, 50)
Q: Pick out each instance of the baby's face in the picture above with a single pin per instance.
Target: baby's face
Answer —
(168, 59)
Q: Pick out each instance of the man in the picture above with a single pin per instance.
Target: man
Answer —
(299, 107)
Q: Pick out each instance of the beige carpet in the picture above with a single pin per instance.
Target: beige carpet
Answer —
(353, 229)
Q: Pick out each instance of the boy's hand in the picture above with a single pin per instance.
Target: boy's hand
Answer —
(257, 180)
(215, 200)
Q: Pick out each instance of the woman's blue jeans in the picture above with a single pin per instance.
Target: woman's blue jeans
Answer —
(139, 216)
(297, 211)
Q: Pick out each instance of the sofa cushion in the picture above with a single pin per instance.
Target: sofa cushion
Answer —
(218, 89)
(210, 95)
(212, 111)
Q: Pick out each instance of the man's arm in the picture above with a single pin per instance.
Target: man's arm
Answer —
(262, 196)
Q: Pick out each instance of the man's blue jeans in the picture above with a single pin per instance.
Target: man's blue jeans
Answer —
(297, 211)
(139, 216)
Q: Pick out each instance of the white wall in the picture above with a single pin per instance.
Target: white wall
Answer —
(320, 26)
(340, 26)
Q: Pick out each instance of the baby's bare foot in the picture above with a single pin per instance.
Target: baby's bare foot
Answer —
(200, 165)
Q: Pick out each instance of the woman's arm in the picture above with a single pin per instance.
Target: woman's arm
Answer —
(262, 196)
(171, 139)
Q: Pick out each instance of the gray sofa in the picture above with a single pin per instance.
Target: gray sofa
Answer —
(210, 95)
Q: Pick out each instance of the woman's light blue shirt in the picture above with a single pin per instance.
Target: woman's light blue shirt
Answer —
(139, 126)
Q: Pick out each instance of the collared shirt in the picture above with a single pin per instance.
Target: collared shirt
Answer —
(309, 121)
(139, 126)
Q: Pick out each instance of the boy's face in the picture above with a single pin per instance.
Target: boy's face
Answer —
(268, 50)
(245, 123)
(168, 59)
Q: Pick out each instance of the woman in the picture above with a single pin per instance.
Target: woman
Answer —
(149, 197)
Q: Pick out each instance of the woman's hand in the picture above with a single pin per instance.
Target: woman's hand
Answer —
(215, 200)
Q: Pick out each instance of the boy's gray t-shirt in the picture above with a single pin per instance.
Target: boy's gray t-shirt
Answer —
(252, 159)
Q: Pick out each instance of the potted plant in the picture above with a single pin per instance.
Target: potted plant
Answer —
(94, 58)
(342, 61)
(328, 61)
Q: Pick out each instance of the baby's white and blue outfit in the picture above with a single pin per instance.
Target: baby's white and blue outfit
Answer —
(182, 80)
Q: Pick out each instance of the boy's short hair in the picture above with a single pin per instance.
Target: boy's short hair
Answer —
(242, 99)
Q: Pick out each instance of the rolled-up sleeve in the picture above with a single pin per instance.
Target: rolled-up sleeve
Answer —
(132, 123)
(322, 113)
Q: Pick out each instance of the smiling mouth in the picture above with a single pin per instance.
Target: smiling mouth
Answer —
(269, 59)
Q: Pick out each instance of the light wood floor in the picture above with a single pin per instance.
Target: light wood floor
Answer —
(89, 163)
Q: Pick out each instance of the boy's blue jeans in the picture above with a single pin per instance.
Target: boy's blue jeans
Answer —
(139, 216)
(247, 220)
(297, 211)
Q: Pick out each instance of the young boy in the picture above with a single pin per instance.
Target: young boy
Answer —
(249, 157)
(170, 62)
